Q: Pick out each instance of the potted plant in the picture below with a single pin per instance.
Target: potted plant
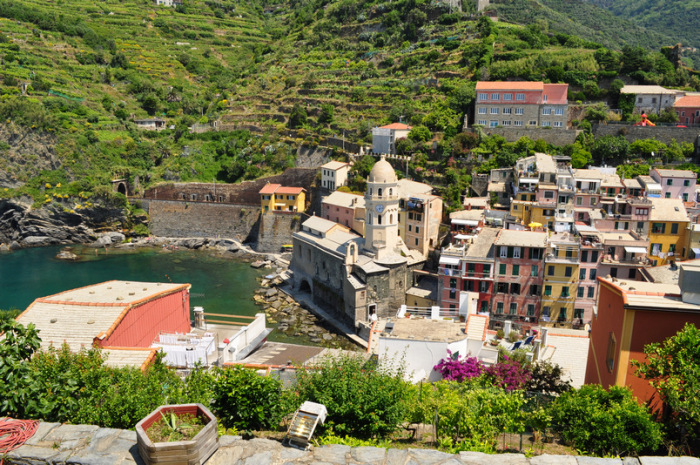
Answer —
(177, 434)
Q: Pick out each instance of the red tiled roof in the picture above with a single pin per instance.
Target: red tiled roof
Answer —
(689, 101)
(556, 93)
(399, 126)
(289, 190)
(509, 85)
(270, 188)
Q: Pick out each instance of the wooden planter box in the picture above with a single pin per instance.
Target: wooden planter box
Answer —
(193, 452)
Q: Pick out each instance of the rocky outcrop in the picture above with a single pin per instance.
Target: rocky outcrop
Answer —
(30, 151)
(22, 224)
(292, 319)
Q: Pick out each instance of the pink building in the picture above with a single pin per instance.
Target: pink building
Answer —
(520, 103)
(675, 184)
(468, 268)
(518, 275)
(346, 209)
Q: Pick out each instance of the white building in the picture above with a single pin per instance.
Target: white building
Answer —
(384, 138)
(652, 99)
(334, 174)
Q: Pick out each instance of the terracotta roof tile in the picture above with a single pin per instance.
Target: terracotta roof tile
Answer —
(688, 101)
(399, 126)
(269, 188)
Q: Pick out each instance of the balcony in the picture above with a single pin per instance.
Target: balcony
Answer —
(639, 201)
(444, 271)
(626, 259)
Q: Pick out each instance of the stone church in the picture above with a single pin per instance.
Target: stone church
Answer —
(352, 276)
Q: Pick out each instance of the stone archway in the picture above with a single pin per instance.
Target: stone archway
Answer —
(304, 286)
(120, 186)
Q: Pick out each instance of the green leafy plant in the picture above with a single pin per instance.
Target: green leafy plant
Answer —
(247, 401)
(602, 422)
(363, 400)
(673, 368)
(172, 427)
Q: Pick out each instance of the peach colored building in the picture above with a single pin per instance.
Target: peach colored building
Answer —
(346, 209)
(631, 315)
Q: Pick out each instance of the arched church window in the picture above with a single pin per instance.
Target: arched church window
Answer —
(379, 192)
(391, 219)
(379, 219)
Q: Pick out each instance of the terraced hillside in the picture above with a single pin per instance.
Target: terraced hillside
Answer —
(76, 74)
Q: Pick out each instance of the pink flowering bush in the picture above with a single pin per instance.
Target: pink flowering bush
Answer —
(510, 374)
(456, 368)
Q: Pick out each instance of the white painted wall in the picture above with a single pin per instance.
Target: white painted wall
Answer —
(418, 356)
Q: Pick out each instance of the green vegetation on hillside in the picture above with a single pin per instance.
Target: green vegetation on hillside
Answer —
(677, 19)
(273, 75)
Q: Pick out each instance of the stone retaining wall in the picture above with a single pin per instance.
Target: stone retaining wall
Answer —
(663, 134)
(169, 218)
(56, 444)
(276, 230)
(551, 136)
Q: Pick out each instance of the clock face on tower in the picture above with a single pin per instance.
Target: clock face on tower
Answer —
(379, 208)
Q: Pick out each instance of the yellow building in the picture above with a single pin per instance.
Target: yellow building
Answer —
(543, 214)
(668, 231)
(522, 211)
(560, 284)
(276, 197)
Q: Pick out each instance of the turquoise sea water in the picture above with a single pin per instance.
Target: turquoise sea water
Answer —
(219, 285)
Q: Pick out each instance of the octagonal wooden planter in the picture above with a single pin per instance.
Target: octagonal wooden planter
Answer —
(193, 452)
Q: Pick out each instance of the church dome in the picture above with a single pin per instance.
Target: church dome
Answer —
(382, 172)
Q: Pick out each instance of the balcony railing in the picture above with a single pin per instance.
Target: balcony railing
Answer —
(626, 260)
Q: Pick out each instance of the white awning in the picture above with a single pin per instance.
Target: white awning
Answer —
(463, 236)
(465, 222)
(447, 260)
(635, 249)
(584, 228)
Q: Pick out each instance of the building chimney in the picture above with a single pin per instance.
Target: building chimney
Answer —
(689, 282)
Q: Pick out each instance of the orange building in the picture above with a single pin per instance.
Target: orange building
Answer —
(632, 314)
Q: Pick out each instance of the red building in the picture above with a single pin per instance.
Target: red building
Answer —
(468, 269)
(123, 318)
(688, 109)
(518, 275)
(632, 314)
(521, 103)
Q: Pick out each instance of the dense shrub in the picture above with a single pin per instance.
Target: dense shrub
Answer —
(467, 411)
(363, 400)
(603, 422)
(673, 368)
(246, 400)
